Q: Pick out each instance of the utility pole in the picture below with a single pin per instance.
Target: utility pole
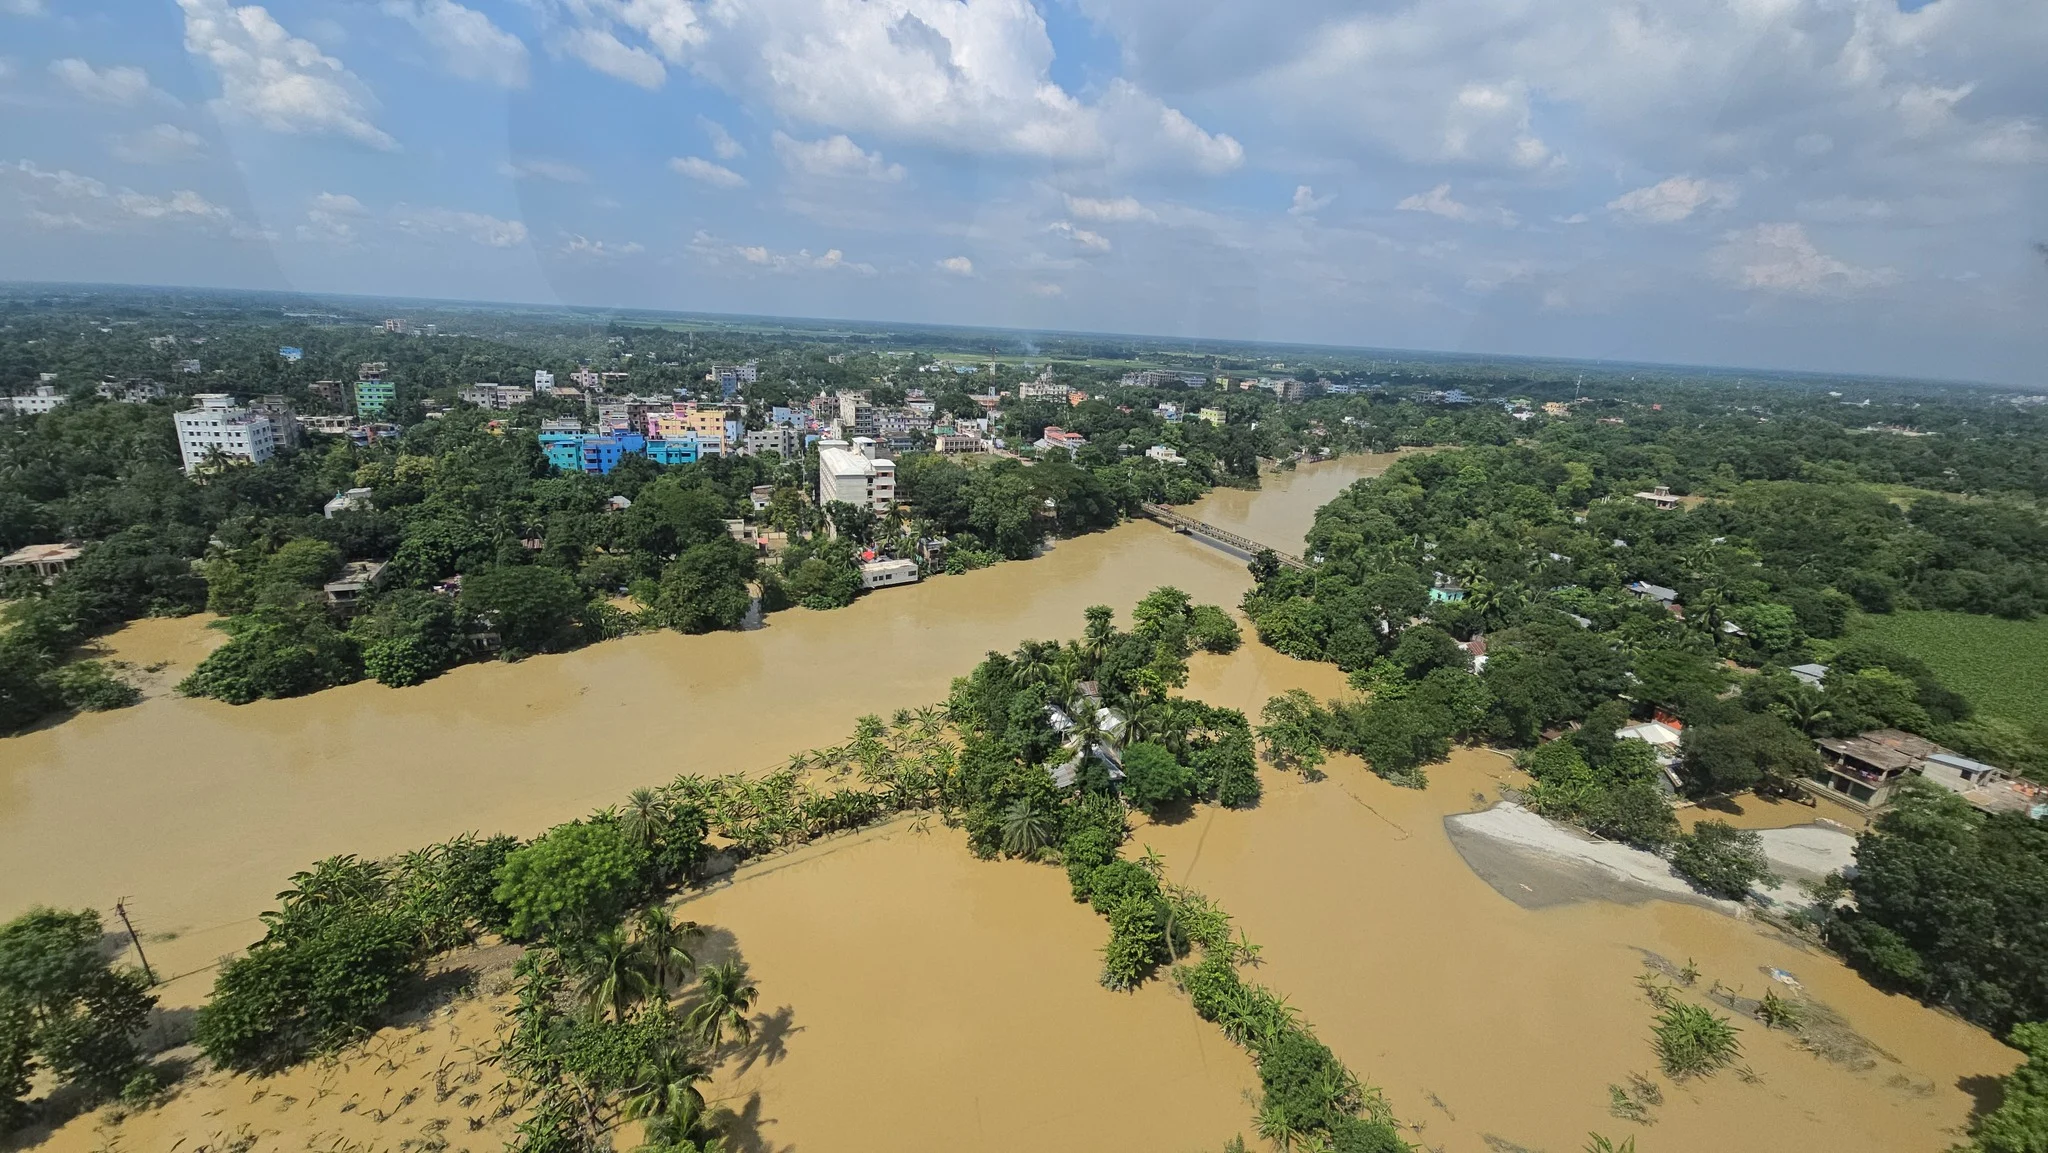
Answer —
(121, 907)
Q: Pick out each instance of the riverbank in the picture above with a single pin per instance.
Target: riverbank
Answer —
(196, 811)
(921, 984)
(1498, 1026)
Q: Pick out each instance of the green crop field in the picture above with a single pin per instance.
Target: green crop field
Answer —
(2000, 665)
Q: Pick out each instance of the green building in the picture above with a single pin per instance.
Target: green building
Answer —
(374, 396)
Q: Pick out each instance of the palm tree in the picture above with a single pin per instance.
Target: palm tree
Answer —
(1157, 720)
(1096, 637)
(1805, 709)
(1035, 662)
(664, 944)
(666, 1096)
(724, 995)
(1087, 717)
(1027, 828)
(646, 817)
(614, 976)
(1706, 613)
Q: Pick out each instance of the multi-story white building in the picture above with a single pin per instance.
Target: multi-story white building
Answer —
(1042, 389)
(856, 414)
(42, 400)
(780, 439)
(855, 475)
(729, 377)
(485, 394)
(218, 425)
(542, 378)
(136, 391)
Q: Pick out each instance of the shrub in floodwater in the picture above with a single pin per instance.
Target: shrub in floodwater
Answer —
(1779, 1012)
(1211, 630)
(1135, 941)
(87, 685)
(1087, 850)
(579, 877)
(1694, 1041)
(295, 995)
(1597, 1144)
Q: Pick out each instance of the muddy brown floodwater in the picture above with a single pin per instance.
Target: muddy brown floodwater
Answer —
(197, 811)
(933, 1001)
(1498, 1028)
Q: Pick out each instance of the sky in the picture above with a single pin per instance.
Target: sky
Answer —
(1830, 185)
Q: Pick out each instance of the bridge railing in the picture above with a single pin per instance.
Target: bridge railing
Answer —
(1243, 544)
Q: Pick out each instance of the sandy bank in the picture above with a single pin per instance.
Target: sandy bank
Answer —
(1569, 865)
(1809, 852)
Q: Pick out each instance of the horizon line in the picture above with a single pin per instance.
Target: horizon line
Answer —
(1023, 334)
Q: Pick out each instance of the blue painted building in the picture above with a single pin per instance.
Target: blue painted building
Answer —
(600, 453)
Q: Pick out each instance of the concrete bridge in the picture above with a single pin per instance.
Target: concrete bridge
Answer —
(1230, 540)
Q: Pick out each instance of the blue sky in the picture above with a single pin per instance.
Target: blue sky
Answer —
(1822, 184)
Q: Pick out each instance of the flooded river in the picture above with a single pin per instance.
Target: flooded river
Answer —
(938, 1002)
(1498, 1027)
(197, 811)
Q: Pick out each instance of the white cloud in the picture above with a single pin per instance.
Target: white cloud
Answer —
(1119, 209)
(472, 46)
(276, 79)
(968, 75)
(332, 218)
(957, 265)
(1307, 203)
(2008, 142)
(158, 144)
(115, 84)
(723, 145)
(699, 169)
(22, 7)
(605, 52)
(584, 247)
(542, 168)
(1781, 258)
(834, 157)
(64, 199)
(1439, 202)
(488, 231)
(1041, 288)
(716, 252)
(1081, 236)
(1673, 200)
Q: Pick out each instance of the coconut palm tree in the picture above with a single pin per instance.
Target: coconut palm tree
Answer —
(613, 976)
(646, 817)
(724, 995)
(1027, 828)
(1705, 613)
(664, 944)
(1805, 708)
(1035, 662)
(666, 1095)
(1096, 637)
